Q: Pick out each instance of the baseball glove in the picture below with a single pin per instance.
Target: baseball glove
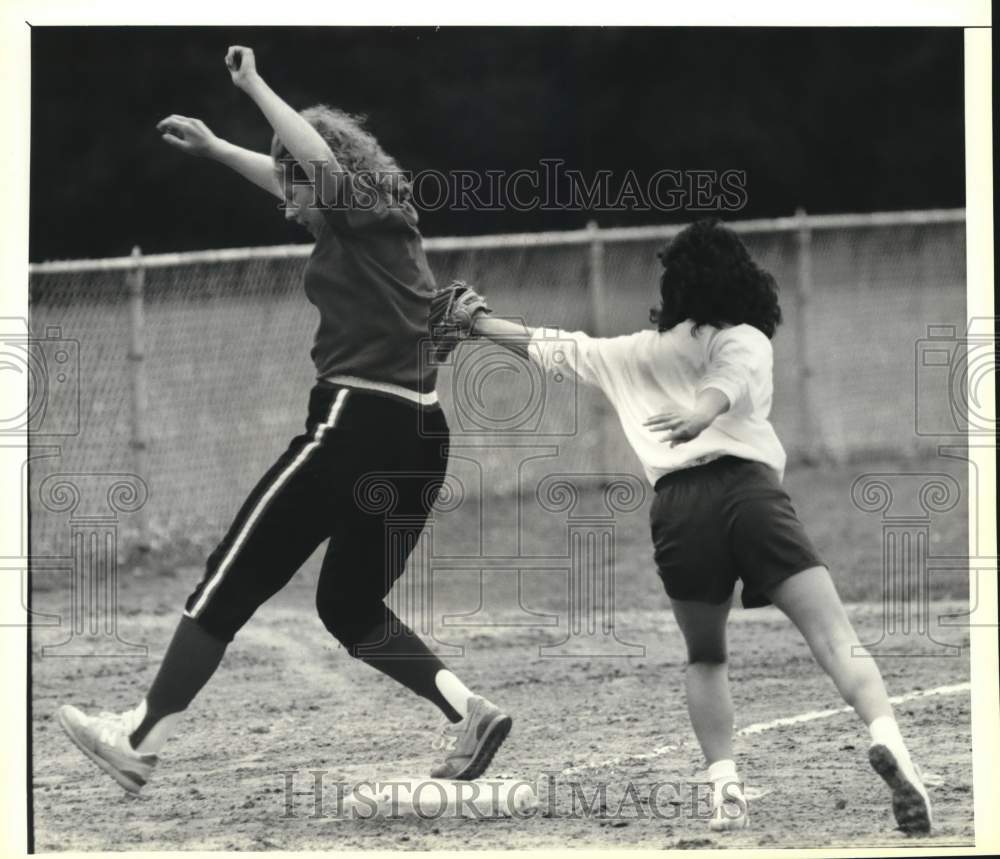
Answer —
(454, 308)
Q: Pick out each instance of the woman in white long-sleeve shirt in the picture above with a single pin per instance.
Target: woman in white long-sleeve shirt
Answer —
(693, 398)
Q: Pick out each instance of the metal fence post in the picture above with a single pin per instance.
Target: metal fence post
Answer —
(136, 279)
(595, 280)
(598, 328)
(812, 444)
(600, 306)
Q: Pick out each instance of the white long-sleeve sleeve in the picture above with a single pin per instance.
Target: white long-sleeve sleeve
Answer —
(591, 360)
(740, 365)
(645, 372)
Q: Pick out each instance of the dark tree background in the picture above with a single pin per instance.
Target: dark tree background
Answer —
(830, 119)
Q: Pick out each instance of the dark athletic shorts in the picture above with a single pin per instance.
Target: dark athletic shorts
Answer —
(726, 520)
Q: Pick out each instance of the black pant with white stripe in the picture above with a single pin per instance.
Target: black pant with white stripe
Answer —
(365, 475)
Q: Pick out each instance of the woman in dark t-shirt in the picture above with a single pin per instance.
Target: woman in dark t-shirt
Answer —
(368, 274)
(369, 465)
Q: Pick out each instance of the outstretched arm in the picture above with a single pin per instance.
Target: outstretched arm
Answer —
(678, 424)
(512, 335)
(195, 138)
(573, 352)
(303, 141)
(585, 358)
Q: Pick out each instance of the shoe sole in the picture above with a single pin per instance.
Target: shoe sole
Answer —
(128, 783)
(737, 824)
(491, 741)
(911, 809)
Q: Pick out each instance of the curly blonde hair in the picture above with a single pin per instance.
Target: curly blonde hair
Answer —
(354, 147)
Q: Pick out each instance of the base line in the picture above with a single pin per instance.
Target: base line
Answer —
(761, 727)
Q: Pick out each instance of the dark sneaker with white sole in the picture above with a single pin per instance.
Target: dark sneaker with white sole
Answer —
(105, 740)
(910, 803)
(471, 744)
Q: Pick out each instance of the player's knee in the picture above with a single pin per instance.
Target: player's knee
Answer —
(335, 618)
(344, 622)
(707, 654)
(221, 621)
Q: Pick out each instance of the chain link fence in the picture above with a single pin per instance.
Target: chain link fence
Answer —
(192, 370)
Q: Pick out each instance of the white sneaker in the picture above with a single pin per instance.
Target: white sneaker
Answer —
(730, 812)
(471, 744)
(105, 740)
(910, 803)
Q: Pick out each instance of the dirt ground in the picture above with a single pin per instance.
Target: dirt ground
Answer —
(605, 739)
(286, 702)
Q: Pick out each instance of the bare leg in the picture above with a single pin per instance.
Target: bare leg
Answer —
(711, 708)
(706, 678)
(810, 600)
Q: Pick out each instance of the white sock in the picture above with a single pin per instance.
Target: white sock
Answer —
(454, 691)
(158, 735)
(725, 780)
(885, 732)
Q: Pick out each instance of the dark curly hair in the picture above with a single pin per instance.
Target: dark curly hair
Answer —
(709, 278)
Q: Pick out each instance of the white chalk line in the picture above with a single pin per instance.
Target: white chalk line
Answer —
(761, 727)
